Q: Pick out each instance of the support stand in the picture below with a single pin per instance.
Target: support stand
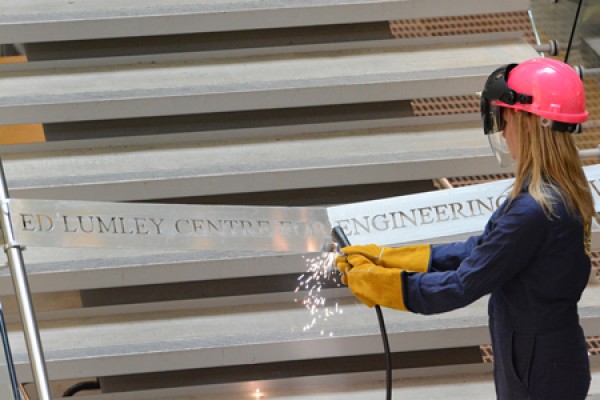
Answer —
(19, 277)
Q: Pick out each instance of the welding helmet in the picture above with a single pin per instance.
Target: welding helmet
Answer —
(545, 87)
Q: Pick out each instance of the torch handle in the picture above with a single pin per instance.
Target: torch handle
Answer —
(338, 235)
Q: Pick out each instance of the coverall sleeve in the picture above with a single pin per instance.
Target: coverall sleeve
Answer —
(446, 257)
(512, 240)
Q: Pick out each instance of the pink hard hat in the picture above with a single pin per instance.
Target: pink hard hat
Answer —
(556, 90)
(542, 86)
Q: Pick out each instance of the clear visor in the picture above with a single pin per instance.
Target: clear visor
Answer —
(493, 126)
(500, 149)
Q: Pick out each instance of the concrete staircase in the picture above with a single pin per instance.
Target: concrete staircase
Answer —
(240, 102)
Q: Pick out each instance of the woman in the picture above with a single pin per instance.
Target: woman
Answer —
(533, 256)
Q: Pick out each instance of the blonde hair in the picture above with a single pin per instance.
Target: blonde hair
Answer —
(550, 163)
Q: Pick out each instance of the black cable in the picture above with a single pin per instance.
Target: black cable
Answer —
(388, 354)
(341, 239)
(573, 31)
(81, 386)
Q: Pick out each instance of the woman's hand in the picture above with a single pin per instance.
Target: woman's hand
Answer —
(371, 283)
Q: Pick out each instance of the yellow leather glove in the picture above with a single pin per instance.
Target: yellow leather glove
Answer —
(342, 264)
(410, 258)
(373, 284)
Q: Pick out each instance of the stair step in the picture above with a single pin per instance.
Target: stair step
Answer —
(63, 269)
(358, 386)
(293, 80)
(55, 20)
(185, 170)
(178, 340)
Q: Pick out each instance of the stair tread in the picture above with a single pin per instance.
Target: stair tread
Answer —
(100, 346)
(355, 386)
(52, 20)
(184, 170)
(291, 80)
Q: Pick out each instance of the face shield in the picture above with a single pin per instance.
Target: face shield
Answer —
(491, 116)
(496, 90)
(493, 126)
(500, 149)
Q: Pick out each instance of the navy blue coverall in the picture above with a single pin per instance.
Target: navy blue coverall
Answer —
(536, 269)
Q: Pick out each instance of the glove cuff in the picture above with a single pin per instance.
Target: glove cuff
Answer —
(373, 285)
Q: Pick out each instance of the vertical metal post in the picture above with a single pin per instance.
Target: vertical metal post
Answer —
(19, 277)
